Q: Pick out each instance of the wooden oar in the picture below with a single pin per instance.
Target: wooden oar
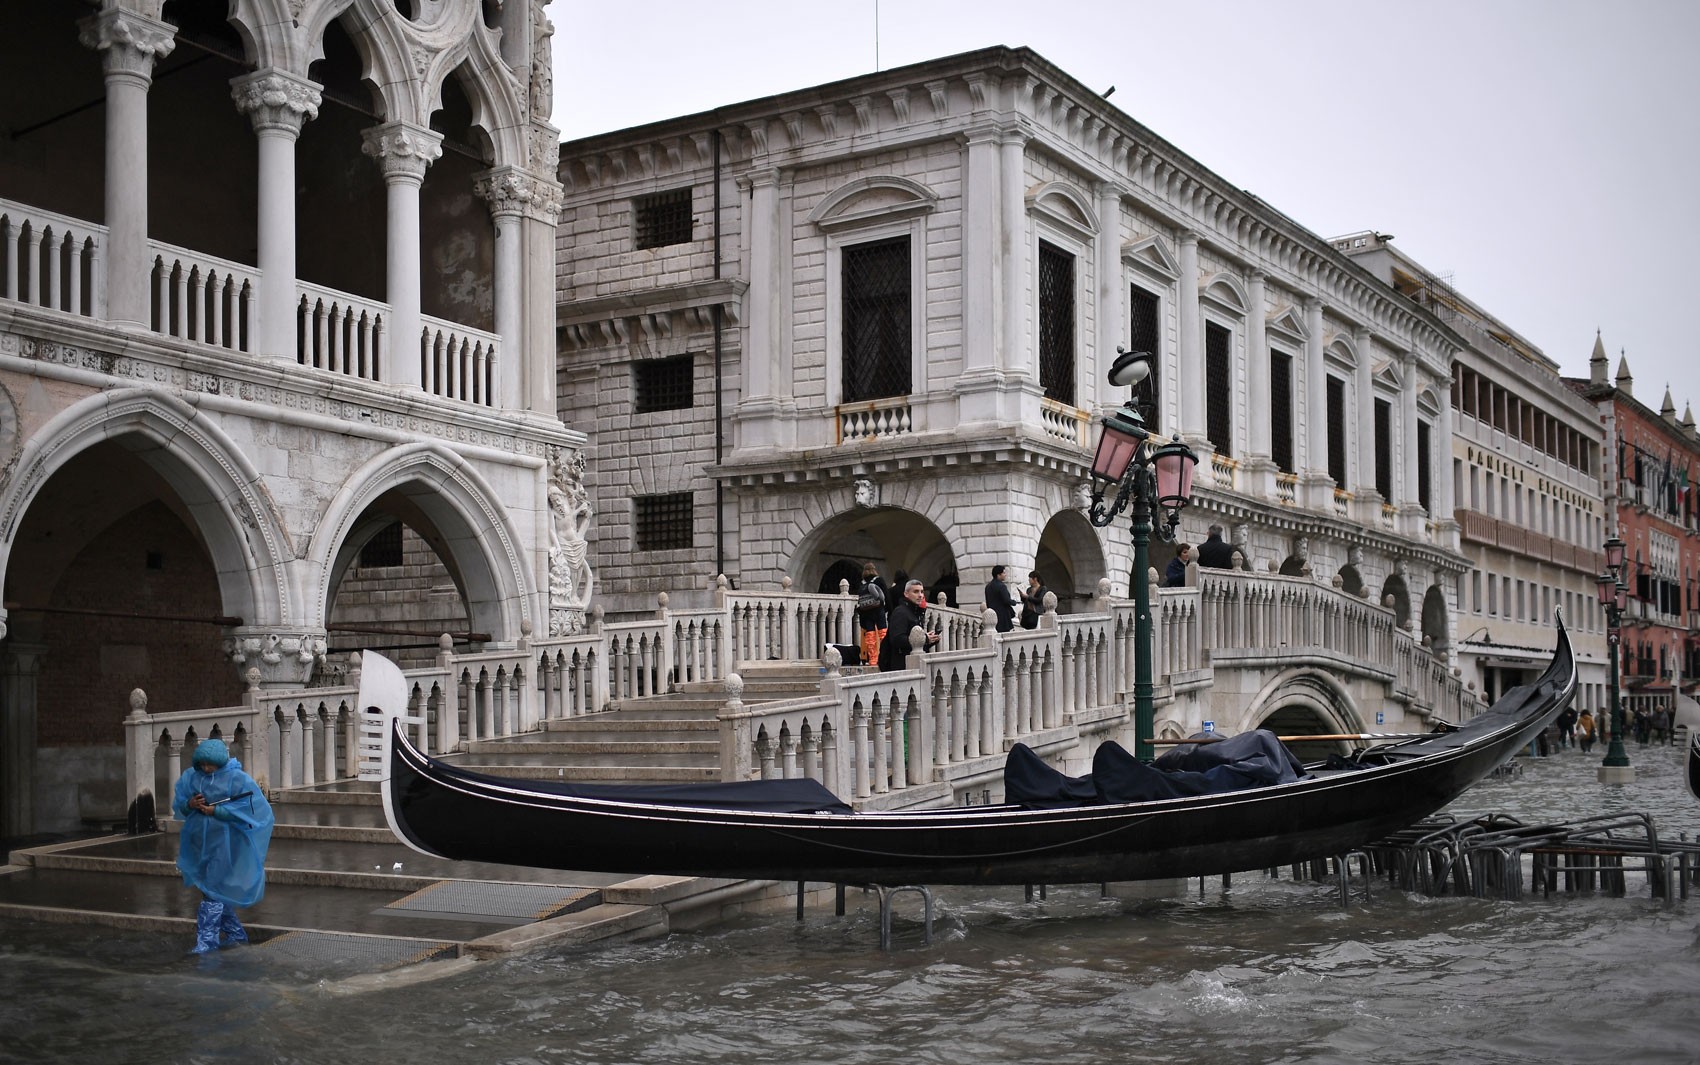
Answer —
(1306, 739)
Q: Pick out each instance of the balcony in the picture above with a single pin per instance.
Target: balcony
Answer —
(55, 262)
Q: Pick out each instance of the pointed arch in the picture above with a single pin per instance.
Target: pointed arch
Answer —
(220, 488)
(478, 539)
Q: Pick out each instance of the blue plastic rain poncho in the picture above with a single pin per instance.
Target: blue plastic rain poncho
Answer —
(223, 855)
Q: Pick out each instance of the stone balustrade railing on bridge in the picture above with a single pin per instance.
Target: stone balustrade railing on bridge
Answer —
(934, 732)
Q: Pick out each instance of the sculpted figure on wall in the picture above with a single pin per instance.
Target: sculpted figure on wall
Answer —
(570, 513)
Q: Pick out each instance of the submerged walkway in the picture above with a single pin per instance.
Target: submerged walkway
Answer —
(340, 886)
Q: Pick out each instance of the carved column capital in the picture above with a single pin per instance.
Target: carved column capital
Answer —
(280, 657)
(403, 150)
(512, 191)
(128, 43)
(276, 100)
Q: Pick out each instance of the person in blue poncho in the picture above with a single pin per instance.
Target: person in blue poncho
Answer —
(227, 827)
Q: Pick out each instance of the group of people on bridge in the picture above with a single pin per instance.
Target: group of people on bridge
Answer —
(887, 614)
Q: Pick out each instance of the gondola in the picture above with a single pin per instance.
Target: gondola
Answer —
(1694, 764)
(798, 830)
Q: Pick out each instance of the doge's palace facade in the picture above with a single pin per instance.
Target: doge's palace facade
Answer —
(278, 283)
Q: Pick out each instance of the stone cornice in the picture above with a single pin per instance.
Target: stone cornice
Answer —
(276, 100)
(584, 325)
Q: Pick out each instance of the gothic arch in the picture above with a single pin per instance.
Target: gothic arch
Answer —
(220, 489)
(479, 542)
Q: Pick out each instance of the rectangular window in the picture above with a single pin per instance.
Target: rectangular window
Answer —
(1144, 334)
(878, 323)
(1476, 591)
(663, 522)
(662, 218)
(1219, 387)
(1337, 431)
(1056, 323)
(1281, 410)
(662, 384)
(383, 549)
(1423, 481)
(1384, 449)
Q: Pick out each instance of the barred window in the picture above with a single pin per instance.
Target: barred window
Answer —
(1219, 387)
(384, 549)
(663, 522)
(662, 218)
(1423, 481)
(1056, 322)
(1337, 431)
(1281, 409)
(1144, 335)
(662, 384)
(1384, 449)
(878, 336)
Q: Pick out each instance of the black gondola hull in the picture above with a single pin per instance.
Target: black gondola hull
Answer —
(452, 813)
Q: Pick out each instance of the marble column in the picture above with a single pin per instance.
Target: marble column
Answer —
(758, 410)
(1411, 514)
(278, 104)
(1443, 496)
(1014, 352)
(1317, 483)
(404, 152)
(1111, 315)
(128, 44)
(1367, 501)
(1190, 380)
(510, 192)
(1259, 468)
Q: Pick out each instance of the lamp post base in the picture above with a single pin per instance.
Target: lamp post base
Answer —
(1617, 774)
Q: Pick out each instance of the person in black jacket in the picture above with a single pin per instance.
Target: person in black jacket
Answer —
(999, 599)
(1214, 552)
(872, 619)
(1175, 575)
(895, 649)
(1033, 601)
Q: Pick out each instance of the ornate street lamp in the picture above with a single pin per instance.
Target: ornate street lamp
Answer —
(1614, 597)
(1143, 477)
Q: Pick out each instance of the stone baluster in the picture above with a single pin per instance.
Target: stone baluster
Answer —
(787, 754)
(764, 756)
(859, 749)
(882, 750)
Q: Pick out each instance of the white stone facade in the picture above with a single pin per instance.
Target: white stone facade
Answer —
(978, 162)
(187, 366)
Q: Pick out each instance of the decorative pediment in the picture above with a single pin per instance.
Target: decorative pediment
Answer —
(1225, 291)
(1065, 207)
(870, 200)
(1388, 377)
(1340, 351)
(1153, 256)
(1428, 404)
(1290, 322)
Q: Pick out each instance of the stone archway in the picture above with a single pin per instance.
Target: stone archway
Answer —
(1396, 596)
(1069, 558)
(1351, 581)
(1436, 616)
(892, 538)
(1305, 701)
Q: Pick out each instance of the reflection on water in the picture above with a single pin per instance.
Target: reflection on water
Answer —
(1271, 971)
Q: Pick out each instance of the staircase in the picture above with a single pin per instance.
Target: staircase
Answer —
(343, 894)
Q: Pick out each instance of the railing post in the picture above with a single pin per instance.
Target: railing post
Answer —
(140, 748)
(737, 754)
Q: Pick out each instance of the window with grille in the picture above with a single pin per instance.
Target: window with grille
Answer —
(1281, 409)
(1423, 482)
(383, 549)
(878, 320)
(1056, 323)
(662, 384)
(662, 218)
(662, 522)
(1384, 449)
(1219, 389)
(1143, 335)
(1337, 431)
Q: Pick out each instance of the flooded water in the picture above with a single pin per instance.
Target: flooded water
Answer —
(1269, 971)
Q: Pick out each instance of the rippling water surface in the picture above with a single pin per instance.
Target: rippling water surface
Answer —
(1269, 971)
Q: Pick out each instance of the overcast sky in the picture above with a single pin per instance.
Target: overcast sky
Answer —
(1540, 153)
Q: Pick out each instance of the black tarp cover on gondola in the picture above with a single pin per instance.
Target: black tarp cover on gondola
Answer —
(798, 796)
